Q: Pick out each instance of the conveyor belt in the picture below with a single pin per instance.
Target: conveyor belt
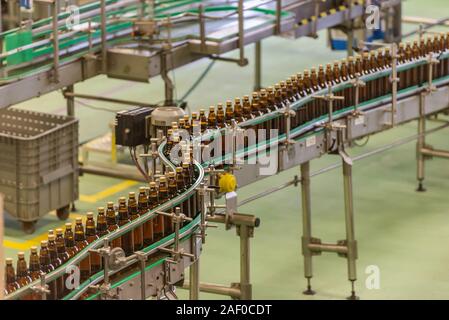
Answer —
(375, 109)
(27, 73)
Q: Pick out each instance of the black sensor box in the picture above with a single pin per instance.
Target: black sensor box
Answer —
(131, 126)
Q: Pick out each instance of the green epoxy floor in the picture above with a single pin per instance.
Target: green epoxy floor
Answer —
(402, 232)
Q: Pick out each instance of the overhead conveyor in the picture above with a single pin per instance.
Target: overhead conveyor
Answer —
(143, 39)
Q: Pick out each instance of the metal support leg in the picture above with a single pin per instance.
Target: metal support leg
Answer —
(104, 53)
(241, 19)
(306, 225)
(245, 281)
(55, 43)
(168, 84)
(194, 287)
(258, 66)
(350, 30)
(349, 222)
(420, 145)
(397, 23)
(70, 100)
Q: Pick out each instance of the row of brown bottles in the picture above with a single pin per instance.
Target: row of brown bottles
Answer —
(62, 245)
(313, 80)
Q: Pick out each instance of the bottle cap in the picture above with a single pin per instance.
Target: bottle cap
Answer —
(51, 231)
(152, 184)
(132, 194)
(44, 243)
(33, 249)
(100, 210)
(59, 231)
(21, 255)
(110, 204)
(122, 199)
(8, 261)
(51, 237)
(68, 225)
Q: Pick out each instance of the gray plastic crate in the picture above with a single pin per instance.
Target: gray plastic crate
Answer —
(38, 164)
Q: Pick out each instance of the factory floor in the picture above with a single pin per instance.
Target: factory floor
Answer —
(402, 232)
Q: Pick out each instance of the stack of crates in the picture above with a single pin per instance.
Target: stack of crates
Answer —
(38, 164)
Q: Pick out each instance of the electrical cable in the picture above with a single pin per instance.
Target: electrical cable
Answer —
(198, 81)
(132, 153)
(361, 144)
(87, 105)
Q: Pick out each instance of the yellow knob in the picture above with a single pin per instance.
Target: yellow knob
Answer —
(227, 183)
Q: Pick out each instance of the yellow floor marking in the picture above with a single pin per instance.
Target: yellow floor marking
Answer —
(23, 246)
(108, 191)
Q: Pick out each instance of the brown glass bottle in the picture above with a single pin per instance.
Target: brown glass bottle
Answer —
(263, 102)
(111, 220)
(47, 267)
(246, 106)
(388, 63)
(172, 192)
(181, 124)
(284, 94)
(358, 67)
(81, 243)
(203, 120)
(22, 275)
(185, 205)
(123, 219)
(102, 225)
(221, 117)
(187, 125)
(61, 250)
(344, 76)
(34, 264)
(194, 119)
(309, 107)
(70, 240)
(143, 208)
(56, 262)
(271, 106)
(229, 113)
(11, 284)
(442, 48)
(322, 83)
(212, 118)
(154, 201)
(44, 258)
(271, 97)
(133, 212)
(34, 273)
(91, 236)
(294, 88)
(238, 110)
(370, 66)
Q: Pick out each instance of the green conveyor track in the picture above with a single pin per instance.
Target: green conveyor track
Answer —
(27, 51)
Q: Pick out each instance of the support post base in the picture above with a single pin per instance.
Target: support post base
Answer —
(353, 296)
(421, 188)
(309, 292)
